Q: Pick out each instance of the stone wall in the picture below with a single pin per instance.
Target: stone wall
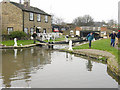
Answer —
(11, 17)
(30, 24)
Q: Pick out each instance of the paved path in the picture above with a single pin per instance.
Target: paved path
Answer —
(96, 52)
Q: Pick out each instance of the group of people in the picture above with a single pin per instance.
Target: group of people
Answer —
(113, 36)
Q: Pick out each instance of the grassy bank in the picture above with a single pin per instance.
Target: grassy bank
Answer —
(27, 42)
(23, 42)
(103, 44)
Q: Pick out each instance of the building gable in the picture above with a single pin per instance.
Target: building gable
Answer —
(29, 9)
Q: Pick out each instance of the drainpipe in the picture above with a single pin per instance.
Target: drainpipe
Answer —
(23, 21)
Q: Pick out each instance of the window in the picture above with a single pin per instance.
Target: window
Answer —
(31, 31)
(46, 18)
(26, 30)
(99, 28)
(31, 16)
(44, 30)
(10, 29)
(38, 17)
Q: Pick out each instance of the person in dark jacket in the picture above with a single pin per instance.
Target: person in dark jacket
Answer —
(118, 36)
(34, 37)
(113, 36)
(90, 38)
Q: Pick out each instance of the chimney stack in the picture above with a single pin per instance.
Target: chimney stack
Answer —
(6, 0)
(27, 3)
(20, 2)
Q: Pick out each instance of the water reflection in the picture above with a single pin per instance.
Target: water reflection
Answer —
(89, 65)
(19, 64)
(15, 53)
(69, 57)
(42, 67)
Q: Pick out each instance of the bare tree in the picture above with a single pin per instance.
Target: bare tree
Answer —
(112, 22)
(57, 20)
(86, 20)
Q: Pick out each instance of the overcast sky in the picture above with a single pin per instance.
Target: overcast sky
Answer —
(70, 9)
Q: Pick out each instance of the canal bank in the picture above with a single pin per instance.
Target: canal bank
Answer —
(98, 55)
(101, 50)
(103, 56)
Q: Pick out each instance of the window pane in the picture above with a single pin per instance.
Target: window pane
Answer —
(38, 17)
(31, 31)
(10, 30)
(26, 30)
(46, 18)
(31, 16)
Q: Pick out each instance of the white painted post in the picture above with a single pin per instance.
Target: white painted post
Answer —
(48, 37)
(66, 38)
(15, 41)
(70, 45)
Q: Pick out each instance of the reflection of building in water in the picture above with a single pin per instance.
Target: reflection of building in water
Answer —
(19, 66)
(89, 65)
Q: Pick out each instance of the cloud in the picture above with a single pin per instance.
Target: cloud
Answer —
(70, 9)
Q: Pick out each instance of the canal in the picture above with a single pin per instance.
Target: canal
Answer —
(40, 67)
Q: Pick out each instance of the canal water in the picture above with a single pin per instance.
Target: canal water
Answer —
(40, 67)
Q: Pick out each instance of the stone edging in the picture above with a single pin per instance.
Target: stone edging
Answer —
(17, 47)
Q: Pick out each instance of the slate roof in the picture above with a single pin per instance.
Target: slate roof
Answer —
(30, 9)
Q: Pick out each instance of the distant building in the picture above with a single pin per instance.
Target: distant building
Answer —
(61, 28)
(104, 32)
(83, 31)
(23, 17)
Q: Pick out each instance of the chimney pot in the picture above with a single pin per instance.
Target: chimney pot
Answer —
(6, 0)
(27, 3)
(20, 2)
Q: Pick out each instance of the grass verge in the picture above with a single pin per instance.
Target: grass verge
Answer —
(23, 42)
(103, 44)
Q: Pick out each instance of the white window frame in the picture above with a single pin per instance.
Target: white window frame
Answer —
(26, 30)
(10, 29)
(38, 17)
(46, 18)
(31, 16)
(31, 31)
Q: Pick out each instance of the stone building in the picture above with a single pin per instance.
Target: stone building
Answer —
(23, 17)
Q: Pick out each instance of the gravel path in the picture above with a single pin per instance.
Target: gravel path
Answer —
(96, 52)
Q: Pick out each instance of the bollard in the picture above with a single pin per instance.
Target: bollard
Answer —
(52, 45)
(15, 41)
(70, 45)
(48, 45)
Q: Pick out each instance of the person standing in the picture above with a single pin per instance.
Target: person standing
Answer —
(34, 37)
(118, 36)
(113, 36)
(90, 38)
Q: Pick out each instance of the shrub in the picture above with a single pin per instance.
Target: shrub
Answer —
(18, 34)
